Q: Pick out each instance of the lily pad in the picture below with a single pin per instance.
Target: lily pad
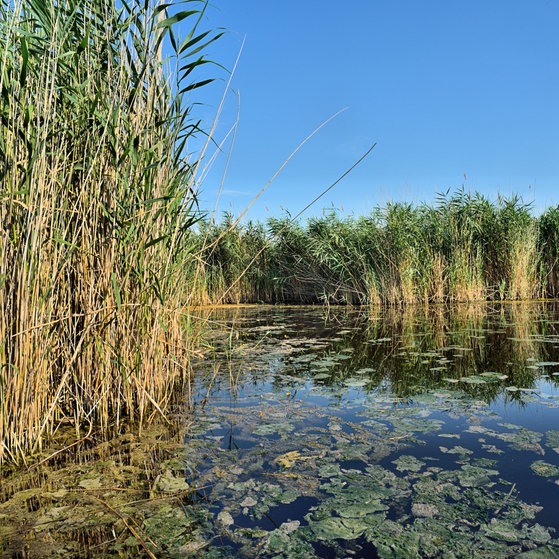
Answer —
(267, 429)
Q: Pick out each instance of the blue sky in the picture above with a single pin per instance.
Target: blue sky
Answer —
(453, 92)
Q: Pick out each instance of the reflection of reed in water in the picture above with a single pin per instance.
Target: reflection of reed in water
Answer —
(414, 348)
(436, 326)
(526, 321)
(529, 325)
(430, 345)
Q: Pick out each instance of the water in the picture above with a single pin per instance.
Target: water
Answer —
(331, 433)
(397, 434)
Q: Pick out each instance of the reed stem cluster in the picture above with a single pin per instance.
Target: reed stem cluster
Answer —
(98, 191)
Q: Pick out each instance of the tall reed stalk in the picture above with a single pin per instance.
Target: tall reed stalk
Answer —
(97, 195)
(548, 243)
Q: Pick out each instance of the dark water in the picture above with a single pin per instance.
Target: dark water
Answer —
(397, 433)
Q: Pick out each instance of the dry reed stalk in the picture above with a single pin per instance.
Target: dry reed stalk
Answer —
(524, 263)
(466, 276)
(437, 289)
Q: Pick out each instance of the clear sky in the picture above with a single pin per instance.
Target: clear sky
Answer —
(453, 92)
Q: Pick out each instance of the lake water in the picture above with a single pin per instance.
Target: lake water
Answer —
(334, 433)
(397, 433)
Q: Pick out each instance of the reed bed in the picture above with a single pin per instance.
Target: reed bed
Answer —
(463, 247)
(98, 192)
(103, 247)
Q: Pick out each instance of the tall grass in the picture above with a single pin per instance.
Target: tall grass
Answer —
(464, 247)
(97, 196)
(226, 251)
(548, 244)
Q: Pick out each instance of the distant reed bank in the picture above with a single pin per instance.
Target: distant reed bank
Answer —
(463, 247)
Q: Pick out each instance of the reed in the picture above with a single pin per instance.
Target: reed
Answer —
(98, 194)
(516, 243)
(225, 252)
(462, 248)
(548, 244)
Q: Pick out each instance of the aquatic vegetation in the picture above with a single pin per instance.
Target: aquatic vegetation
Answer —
(273, 462)
(98, 194)
(464, 247)
(383, 488)
(121, 496)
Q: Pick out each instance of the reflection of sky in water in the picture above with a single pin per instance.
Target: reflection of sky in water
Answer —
(541, 415)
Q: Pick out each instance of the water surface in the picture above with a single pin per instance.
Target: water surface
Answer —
(396, 433)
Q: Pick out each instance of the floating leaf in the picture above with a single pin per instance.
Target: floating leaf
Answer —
(364, 371)
(425, 510)
(282, 428)
(544, 469)
(248, 502)
(225, 518)
(456, 450)
(355, 383)
(474, 380)
(338, 528)
(501, 530)
(474, 476)
(168, 482)
(494, 375)
(362, 508)
(406, 463)
(552, 440)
